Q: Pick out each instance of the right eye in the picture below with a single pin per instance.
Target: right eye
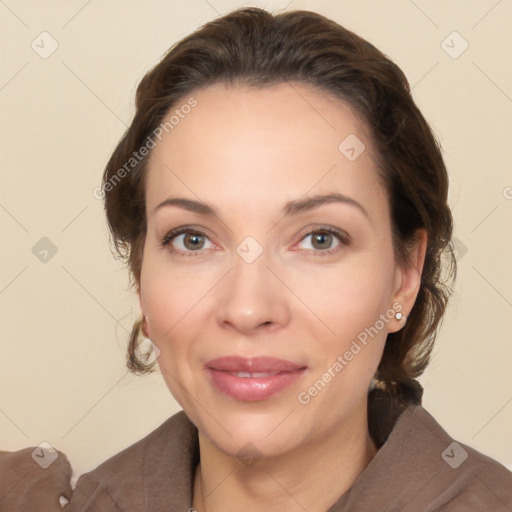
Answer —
(190, 242)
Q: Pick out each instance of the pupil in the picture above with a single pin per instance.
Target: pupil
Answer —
(195, 240)
(321, 238)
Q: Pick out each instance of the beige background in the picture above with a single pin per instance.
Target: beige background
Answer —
(65, 322)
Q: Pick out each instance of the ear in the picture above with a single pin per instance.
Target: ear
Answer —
(408, 280)
(145, 325)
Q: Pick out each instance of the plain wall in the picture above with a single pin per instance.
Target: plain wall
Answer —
(65, 321)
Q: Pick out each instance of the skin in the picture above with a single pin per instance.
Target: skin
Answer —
(247, 152)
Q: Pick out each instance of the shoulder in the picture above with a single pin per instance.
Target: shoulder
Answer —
(455, 475)
(124, 478)
(476, 481)
(421, 468)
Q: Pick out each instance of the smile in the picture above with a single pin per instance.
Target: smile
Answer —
(252, 379)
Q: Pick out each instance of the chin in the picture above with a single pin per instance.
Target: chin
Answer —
(250, 448)
(243, 434)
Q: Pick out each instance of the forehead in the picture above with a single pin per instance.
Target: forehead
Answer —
(260, 146)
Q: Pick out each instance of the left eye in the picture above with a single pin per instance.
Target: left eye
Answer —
(322, 240)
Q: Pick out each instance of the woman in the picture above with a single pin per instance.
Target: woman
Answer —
(282, 205)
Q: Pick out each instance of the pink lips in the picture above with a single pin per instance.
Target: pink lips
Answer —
(252, 379)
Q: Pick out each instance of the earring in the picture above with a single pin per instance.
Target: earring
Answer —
(399, 316)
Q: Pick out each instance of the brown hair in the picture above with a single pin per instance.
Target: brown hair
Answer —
(253, 47)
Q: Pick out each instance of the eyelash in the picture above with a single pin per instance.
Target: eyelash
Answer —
(169, 237)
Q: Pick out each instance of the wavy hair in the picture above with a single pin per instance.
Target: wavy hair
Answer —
(251, 46)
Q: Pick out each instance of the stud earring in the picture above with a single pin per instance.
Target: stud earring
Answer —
(399, 316)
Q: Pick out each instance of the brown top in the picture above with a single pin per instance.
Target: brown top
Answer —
(418, 468)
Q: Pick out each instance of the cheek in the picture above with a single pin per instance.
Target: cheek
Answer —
(350, 297)
(170, 300)
(354, 306)
(345, 360)
(168, 293)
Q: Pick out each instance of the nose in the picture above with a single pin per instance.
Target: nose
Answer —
(253, 298)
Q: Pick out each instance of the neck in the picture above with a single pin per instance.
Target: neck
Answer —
(312, 477)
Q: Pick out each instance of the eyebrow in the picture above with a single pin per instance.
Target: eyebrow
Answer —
(290, 208)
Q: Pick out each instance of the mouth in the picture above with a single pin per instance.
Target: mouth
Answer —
(255, 375)
(253, 379)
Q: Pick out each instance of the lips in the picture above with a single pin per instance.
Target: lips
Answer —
(252, 379)
(252, 365)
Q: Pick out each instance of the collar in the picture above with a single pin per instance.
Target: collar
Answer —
(410, 471)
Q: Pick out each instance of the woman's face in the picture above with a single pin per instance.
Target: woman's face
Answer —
(269, 327)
